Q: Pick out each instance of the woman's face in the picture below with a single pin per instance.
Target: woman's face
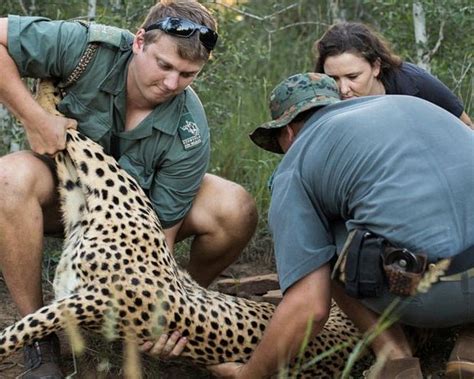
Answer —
(354, 75)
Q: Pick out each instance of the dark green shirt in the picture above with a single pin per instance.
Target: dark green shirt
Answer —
(167, 153)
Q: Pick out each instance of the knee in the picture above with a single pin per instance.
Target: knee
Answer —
(238, 210)
(222, 211)
(22, 177)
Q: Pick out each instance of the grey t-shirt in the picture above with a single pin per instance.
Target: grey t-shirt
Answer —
(396, 165)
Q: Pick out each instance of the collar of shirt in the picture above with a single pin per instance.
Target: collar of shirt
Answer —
(165, 118)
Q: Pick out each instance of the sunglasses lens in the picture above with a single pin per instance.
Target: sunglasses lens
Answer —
(186, 28)
(208, 38)
(180, 27)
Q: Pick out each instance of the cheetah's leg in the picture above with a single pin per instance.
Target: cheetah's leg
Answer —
(77, 309)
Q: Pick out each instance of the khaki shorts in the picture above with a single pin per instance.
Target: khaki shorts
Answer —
(446, 304)
(48, 161)
(449, 302)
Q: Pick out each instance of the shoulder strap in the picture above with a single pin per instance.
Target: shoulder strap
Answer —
(81, 66)
(97, 34)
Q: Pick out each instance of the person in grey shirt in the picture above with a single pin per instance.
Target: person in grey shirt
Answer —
(397, 166)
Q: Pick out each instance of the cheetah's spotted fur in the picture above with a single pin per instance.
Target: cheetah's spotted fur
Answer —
(115, 261)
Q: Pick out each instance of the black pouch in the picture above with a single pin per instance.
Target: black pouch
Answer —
(360, 264)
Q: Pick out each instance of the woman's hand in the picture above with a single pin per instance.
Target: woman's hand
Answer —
(166, 347)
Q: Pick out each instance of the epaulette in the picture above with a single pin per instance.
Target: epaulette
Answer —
(105, 34)
(98, 34)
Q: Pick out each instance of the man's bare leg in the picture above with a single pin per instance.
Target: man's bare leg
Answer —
(27, 196)
(391, 341)
(391, 347)
(223, 219)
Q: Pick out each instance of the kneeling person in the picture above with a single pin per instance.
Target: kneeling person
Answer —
(397, 166)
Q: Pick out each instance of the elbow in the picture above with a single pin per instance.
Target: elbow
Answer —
(312, 315)
(319, 317)
(309, 300)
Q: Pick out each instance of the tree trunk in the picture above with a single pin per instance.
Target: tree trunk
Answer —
(32, 9)
(337, 15)
(91, 10)
(421, 39)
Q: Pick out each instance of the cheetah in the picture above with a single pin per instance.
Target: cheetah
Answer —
(115, 265)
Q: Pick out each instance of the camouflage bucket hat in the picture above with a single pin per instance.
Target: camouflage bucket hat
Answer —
(292, 96)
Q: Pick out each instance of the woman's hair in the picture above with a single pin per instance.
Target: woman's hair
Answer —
(359, 39)
(188, 48)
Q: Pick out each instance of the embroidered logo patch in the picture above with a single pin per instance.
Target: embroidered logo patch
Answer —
(190, 135)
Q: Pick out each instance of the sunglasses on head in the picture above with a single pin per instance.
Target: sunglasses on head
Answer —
(184, 28)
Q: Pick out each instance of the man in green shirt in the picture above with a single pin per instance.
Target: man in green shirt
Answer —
(133, 97)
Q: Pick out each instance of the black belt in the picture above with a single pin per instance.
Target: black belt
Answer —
(461, 262)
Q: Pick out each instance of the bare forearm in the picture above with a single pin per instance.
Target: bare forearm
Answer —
(305, 305)
(13, 92)
(45, 132)
(281, 343)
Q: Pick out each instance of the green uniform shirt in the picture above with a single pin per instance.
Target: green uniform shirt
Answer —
(167, 153)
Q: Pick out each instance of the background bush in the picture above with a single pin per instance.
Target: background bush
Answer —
(263, 42)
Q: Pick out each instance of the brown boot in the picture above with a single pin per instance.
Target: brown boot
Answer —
(461, 360)
(403, 368)
(42, 359)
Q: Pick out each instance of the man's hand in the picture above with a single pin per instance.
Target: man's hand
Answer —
(48, 134)
(230, 370)
(166, 347)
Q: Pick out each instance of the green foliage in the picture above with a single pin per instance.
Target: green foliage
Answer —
(12, 136)
(262, 42)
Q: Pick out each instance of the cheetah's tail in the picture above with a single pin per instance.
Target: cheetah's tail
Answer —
(76, 309)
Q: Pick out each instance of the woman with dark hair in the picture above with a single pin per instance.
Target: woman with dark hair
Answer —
(363, 64)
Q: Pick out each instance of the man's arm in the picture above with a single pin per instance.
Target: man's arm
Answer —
(308, 300)
(45, 132)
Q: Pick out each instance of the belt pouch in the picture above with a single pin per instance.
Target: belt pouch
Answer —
(363, 269)
(404, 270)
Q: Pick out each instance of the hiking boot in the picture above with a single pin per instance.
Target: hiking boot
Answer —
(461, 361)
(42, 359)
(403, 368)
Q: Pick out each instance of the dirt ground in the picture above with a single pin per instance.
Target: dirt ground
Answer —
(104, 360)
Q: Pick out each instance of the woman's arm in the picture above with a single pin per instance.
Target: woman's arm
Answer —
(465, 118)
